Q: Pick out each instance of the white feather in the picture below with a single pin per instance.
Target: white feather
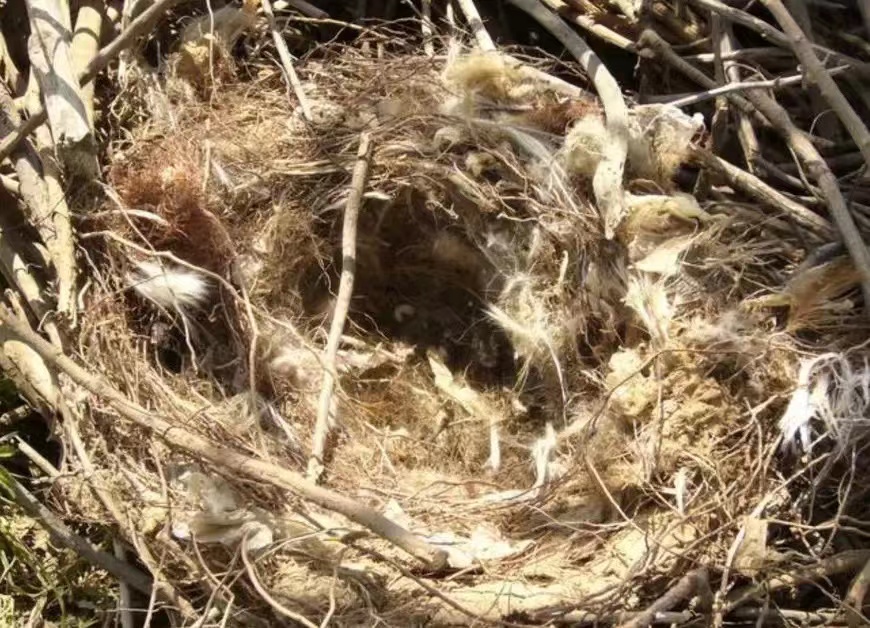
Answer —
(835, 392)
(169, 287)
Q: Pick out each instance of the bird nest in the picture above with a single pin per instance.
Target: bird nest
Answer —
(570, 420)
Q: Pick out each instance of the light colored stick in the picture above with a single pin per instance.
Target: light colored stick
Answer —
(426, 27)
(325, 415)
(14, 261)
(11, 74)
(822, 78)
(472, 16)
(776, 83)
(607, 182)
(287, 61)
(739, 54)
(228, 459)
(591, 26)
(854, 601)
(100, 62)
(85, 46)
(51, 62)
(745, 131)
(49, 210)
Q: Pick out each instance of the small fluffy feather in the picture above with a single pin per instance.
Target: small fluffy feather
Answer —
(834, 391)
(169, 287)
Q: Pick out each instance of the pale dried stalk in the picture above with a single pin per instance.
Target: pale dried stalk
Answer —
(52, 216)
(820, 76)
(325, 416)
(10, 73)
(426, 28)
(607, 182)
(590, 25)
(51, 62)
(287, 61)
(854, 601)
(85, 46)
(745, 132)
(472, 16)
(227, 459)
(15, 263)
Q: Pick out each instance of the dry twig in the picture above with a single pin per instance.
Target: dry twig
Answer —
(287, 61)
(472, 16)
(325, 415)
(52, 66)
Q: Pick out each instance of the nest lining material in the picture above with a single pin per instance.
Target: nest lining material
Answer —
(511, 380)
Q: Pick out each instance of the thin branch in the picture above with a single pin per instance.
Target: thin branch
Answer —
(713, 92)
(651, 44)
(755, 187)
(591, 26)
(52, 68)
(607, 182)
(287, 61)
(325, 415)
(86, 46)
(732, 71)
(228, 459)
